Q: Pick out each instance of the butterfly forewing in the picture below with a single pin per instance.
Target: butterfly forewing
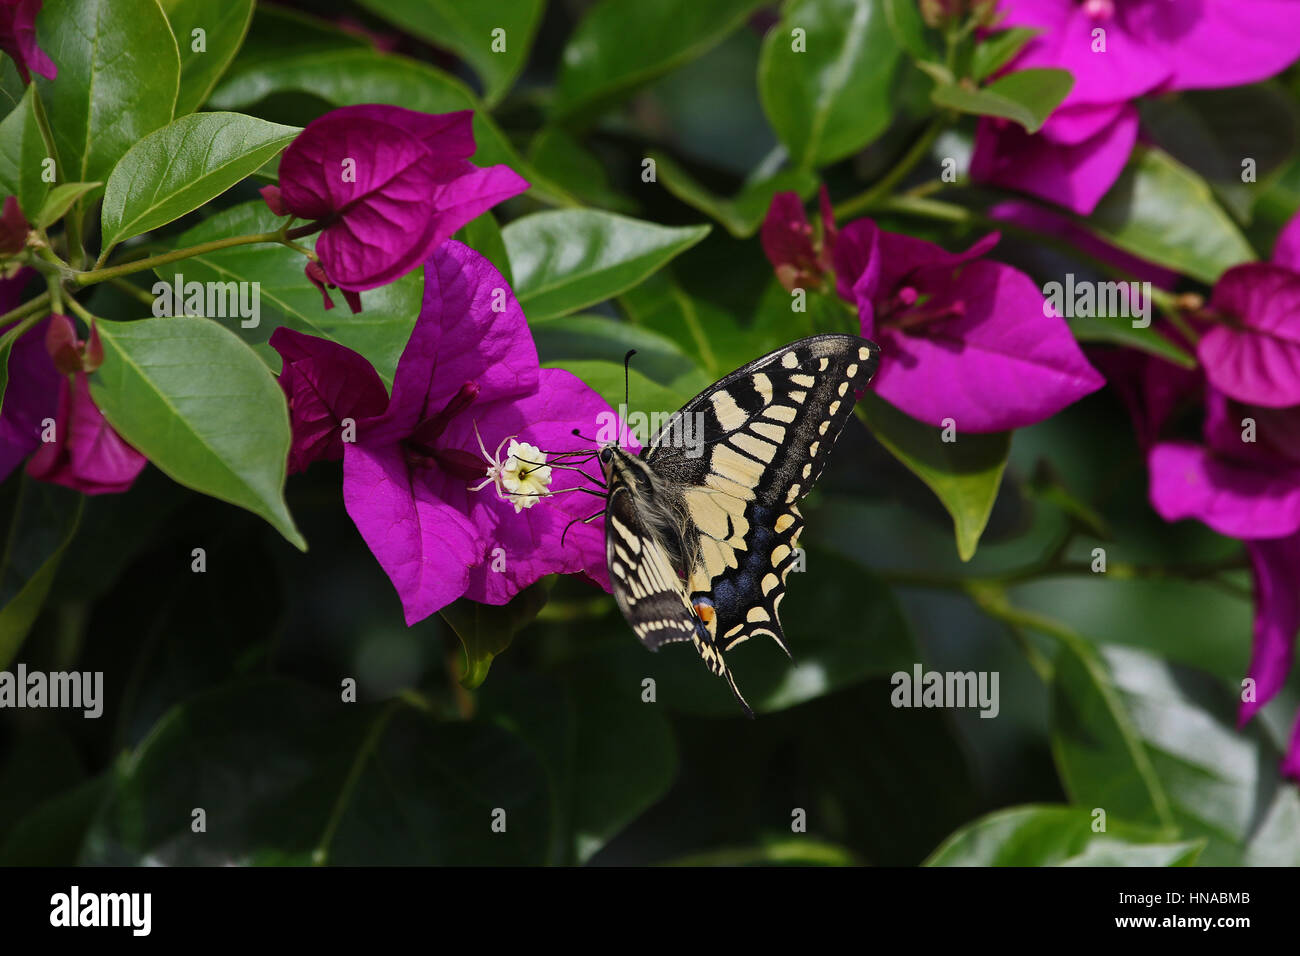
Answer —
(723, 479)
(765, 432)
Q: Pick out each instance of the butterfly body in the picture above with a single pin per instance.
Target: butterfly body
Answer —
(701, 535)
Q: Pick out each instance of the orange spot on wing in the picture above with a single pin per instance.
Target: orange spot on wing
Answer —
(705, 612)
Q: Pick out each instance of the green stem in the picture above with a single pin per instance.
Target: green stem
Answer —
(132, 290)
(27, 314)
(863, 202)
(83, 313)
(280, 236)
(56, 293)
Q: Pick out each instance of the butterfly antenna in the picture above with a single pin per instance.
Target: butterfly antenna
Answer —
(627, 361)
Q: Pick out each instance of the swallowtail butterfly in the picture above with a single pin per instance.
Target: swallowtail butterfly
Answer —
(699, 544)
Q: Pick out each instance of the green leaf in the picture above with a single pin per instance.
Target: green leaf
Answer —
(469, 30)
(1115, 331)
(1215, 132)
(379, 332)
(829, 101)
(224, 24)
(565, 260)
(52, 833)
(904, 19)
(1164, 213)
(486, 630)
(743, 213)
(620, 46)
(119, 72)
(482, 234)
(648, 401)
(591, 337)
(965, 474)
(600, 781)
(718, 341)
(1196, 769)
(1099, 753)
(202, 407)
(42, 521)
(59, 200)
(297, 776)
(1026, 97)
(999, 49)
(353, 76)
(1045, 835)
(22, 153)
(560, 156)
(180, 167)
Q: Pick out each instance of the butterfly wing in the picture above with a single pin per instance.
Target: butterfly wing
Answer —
(742, 453)
(644, 574)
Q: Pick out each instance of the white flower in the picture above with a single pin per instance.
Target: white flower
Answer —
(522, 479)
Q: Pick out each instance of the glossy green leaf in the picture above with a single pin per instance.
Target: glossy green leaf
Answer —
(379, 332)
(1026, 97)
(1044, 835)
(119, 72)
(22, 156)
(1220, 134)
(648, 402)
(202, 407)
(1102, 759)
(904, 19)
(999, 49)
(831, 98)
(620, 46)
(1164, 213)
(223, 24)
(743, 213)
(591, 337)
(293, 775)
(1194, 768)
(558, 154)
(565, 260)
(185, 164)
(349, 77)
(1116, 331)
(965, 474)
(469, 30)
(486, 630)
(709, 334)
(59, 200)
(41, 523)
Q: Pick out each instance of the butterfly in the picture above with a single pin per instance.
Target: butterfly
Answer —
(701, 534)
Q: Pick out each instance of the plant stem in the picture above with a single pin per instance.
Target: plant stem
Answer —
(132, 290)
(22, 311)
(863, 202)
(280, 236)
(85, 314)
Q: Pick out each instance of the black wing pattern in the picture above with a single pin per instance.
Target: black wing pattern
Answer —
(764, 432)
